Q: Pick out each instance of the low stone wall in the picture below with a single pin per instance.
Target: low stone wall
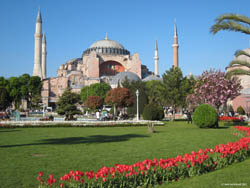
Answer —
(78, 123)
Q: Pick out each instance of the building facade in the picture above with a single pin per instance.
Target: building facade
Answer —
(244, 98)
(101, 62)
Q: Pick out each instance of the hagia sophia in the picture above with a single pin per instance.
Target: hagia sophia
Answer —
(104, 61)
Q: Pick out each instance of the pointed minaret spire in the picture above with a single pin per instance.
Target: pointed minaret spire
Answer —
(44, 57)
(39, 17)
(44, 38)
(106, 37)
(37, 71)
(156, 59)
(175, 29)
(175, 47)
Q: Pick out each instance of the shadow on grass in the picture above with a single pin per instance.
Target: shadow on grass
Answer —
(82, 140)
(222, 127)
(8, 130)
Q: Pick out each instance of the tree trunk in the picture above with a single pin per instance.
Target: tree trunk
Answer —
(174, 112)
(114, 110)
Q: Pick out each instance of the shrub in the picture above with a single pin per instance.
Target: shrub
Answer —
(241, 110)
(205, 116)
(230, 108)
(153, 112)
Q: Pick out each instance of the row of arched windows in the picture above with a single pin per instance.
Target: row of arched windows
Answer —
(103, 50)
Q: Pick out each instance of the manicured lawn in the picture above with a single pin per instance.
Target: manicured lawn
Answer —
(25, 151)
(236, 175)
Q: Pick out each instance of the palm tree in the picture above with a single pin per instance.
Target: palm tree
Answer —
(238, 23)
(231, 22)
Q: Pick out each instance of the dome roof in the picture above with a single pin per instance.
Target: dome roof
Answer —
(152, 77)
(106, 44)
(120, 77)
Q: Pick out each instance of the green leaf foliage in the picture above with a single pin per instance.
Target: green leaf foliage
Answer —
(155, 90)
(231, 22)
(153, 112)
(205, 116)
(241, 110)
(143, 95)
(5, 100)
(97, 89)
(22, 87)
(176, 88)
(66, 104)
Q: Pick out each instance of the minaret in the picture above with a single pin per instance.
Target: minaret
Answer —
(38, 46)
(44, 57)
(175, 47)
(156, 59)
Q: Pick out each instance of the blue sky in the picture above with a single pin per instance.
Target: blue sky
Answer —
(71, 26)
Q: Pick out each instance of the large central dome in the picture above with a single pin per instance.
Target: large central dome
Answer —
(107, 46)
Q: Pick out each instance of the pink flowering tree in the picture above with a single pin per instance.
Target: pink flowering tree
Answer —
(213, 88)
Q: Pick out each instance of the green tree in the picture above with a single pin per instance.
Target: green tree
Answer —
(154, 91)
(67, 104)
(175, 88)
(14, 88)
(35, 102)
(231, 22)
(238, 23)
(5, 99)
(35, 89)
(143, 96)
(241, 110)
(97, 89)
(24, 86)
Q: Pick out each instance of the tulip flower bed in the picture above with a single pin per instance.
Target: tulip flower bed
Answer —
(153, 172)
(228, 118)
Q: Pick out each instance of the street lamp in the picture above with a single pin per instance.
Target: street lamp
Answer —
(137, 97)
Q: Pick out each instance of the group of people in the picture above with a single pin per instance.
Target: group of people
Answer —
(103, 115)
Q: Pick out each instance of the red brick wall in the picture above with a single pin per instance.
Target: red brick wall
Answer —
(111, 68)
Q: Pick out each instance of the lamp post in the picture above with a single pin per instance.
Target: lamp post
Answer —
(137, 97)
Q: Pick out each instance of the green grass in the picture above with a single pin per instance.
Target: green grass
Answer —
(236, 175)
(25, 151)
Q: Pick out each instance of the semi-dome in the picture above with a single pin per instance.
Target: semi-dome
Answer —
(244, 57)
(107, 46)
(245, 91)
(120, 77)
(152, 77)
